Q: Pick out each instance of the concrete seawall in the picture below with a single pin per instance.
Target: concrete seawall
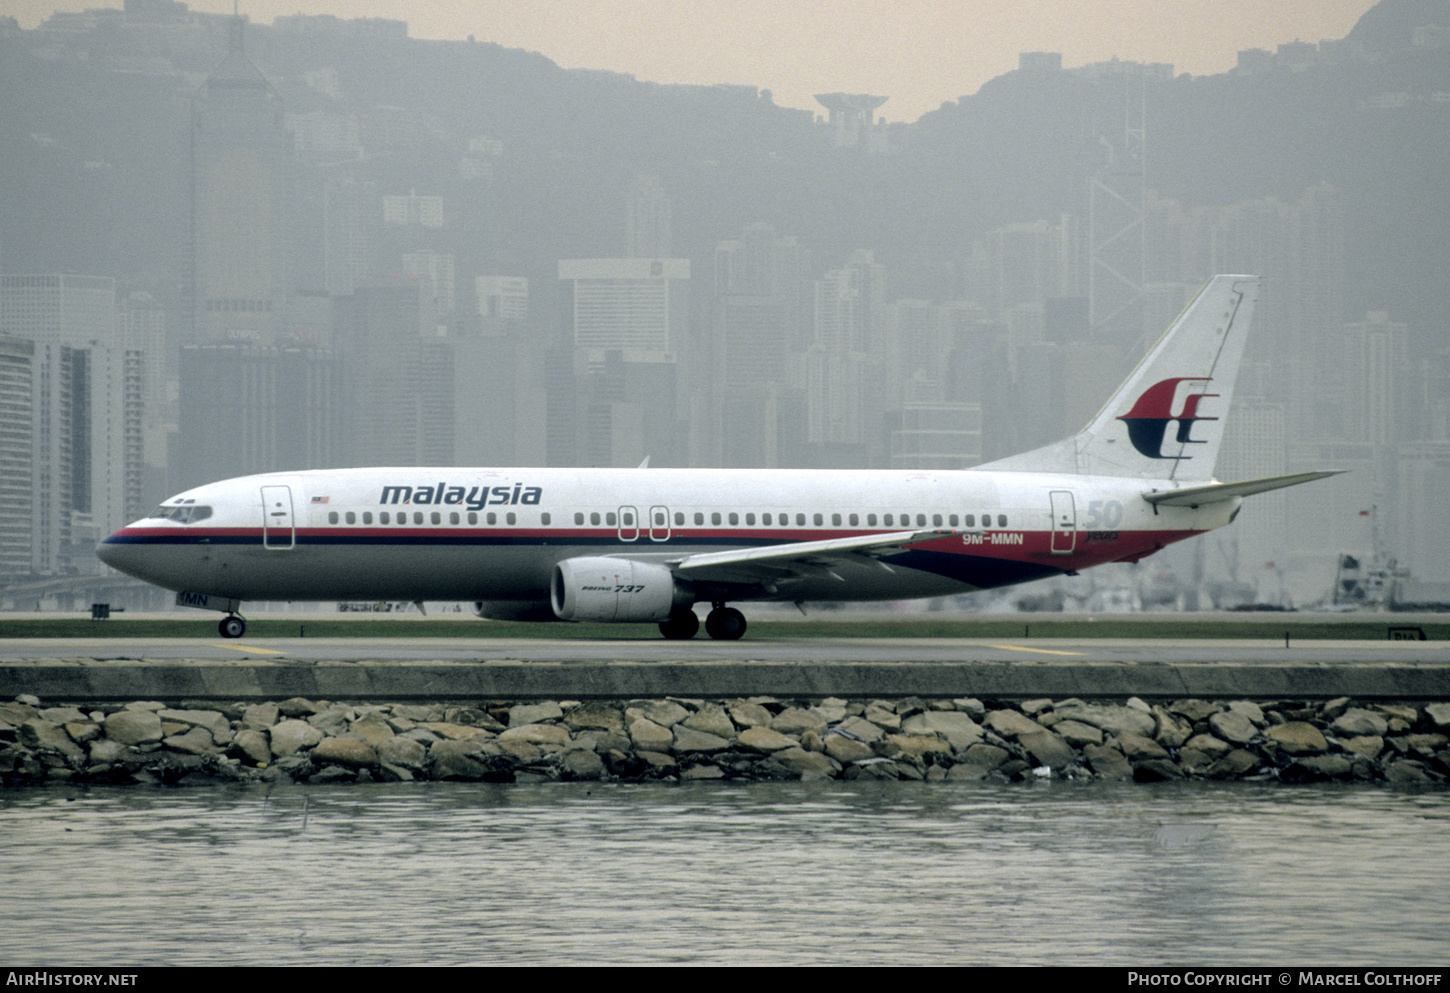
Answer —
(91, 680)
(173, 722)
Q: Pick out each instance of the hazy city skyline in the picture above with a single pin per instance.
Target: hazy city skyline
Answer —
(919, 53)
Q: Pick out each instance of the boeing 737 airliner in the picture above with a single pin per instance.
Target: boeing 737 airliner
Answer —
(647, 544)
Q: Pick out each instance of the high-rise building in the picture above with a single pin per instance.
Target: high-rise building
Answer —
(86, 428)
(630, 318)
(241, 170)
(17, 462)
(630, 304)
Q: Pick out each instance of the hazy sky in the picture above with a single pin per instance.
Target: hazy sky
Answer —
(917, 52)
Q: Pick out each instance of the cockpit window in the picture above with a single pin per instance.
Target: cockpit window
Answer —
(184, 514)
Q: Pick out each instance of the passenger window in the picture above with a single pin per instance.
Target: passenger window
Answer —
(350, 517)
(936, 520)
(970, 520)
(512, 518)
(699, 518)
(715, 517)
(418, 517)
(579, 518)
(853, 520)
(870, 520)
(1001, 520)
(332, 517)
(383, 518)
(436, 517)
(734, 518)
(492, 518)
(952, 520)
(367, 516)
(819, 520)
(472, 517)
(453, 517)
(628, 520)
(986, 520)
(545, 519)
(749, 518)
(594, 518)
(765, 519)
(921, 520)
(659, 519)
(610, 519)
(679, 519)
(887, 519)
(800, 520)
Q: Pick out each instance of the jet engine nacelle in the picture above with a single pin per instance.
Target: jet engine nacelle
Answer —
(605, 589)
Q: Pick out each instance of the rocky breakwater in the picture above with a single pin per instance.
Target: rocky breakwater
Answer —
(751, 739)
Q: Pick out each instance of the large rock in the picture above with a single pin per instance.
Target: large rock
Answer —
(957, 728)
(195, 741)
(1112, 720)
(603, 716)
(466, 759)
(1233, 727)
(260, 716)
(402, 753)
(810, 765)
(665, 713)
(1357, 722)
(1298, 738)
(649, 736)
(292, 735)
(748, 714)
(133, 727)
(581, 763)
(534, 713)
(1010, 724)
(536, 734)
(842, 749)
(712, 719)
(689, 740)
(1077, 734)
(351, 752)
(766, 740)
(794, 720)
(250, 745)
(43, 736)
(1046, 748)
(1107, 762)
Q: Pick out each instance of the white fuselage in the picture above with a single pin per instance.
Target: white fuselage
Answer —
(496, 534)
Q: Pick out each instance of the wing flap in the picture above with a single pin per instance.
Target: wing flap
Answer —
(800, 558)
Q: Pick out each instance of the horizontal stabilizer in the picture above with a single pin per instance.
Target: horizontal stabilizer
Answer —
(1194, 496)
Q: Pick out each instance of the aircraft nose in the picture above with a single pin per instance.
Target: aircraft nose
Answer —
(118, 553)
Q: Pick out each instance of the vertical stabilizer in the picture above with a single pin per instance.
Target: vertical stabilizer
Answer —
(1167, 419)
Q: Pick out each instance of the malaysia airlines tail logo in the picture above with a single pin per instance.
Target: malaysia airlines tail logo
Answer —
(1149, 419)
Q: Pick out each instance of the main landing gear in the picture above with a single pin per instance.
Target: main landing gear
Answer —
(723, 623)
(232, 626)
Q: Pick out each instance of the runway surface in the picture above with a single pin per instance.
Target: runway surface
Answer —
(1158, 650)
(470, 668)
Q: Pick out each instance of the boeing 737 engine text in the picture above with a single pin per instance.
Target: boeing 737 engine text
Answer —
(646, 545)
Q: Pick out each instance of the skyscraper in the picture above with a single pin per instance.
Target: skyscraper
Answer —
(241, 162)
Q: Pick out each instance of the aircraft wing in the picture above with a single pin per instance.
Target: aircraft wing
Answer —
(777, 563)
(1193, 496)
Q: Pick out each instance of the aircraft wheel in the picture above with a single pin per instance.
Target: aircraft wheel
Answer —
(725, 624)
(232, 627)
(681, 626)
